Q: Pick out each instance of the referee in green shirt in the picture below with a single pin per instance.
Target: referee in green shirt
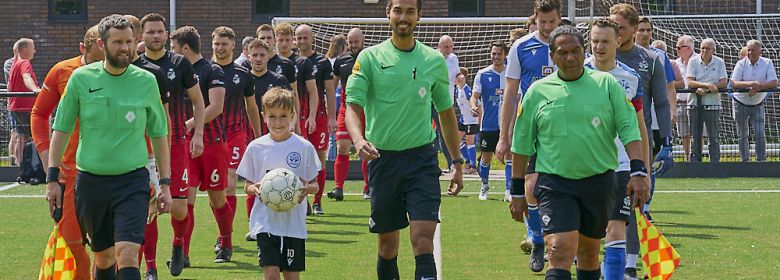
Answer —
(570, 120)
(115, 104)
(394, 84)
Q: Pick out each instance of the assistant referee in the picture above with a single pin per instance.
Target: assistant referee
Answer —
(570, 119)
(394, 83)
(115, 104)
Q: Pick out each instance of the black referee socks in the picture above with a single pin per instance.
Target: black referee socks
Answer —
(425, 267)
(128, 273)
(557, 274)
(387, 269)
(105, 274)
(588, 274)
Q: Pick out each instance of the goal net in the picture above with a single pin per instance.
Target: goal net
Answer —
(472, 37)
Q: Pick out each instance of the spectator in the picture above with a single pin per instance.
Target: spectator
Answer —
(516, 34)
(22, 79)
(743, 52)
(678, 76)
(530, 25)
(9, 62)
(446, 47)
(684, 52)
(755, 73)
(707, 74)
(244, 57)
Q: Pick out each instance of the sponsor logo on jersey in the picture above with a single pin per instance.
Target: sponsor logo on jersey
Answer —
(294, 159)
(547, 70)
(356, 67)
(217, 82)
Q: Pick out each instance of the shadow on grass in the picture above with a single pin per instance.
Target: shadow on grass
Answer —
(324, 222)
(315, 254)
(233, 265)
(348, 216)
(676, 212)
(329, 241)
(691, 235)
(695, 226)
(336, 232)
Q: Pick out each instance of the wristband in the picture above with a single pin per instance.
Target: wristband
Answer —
(667, 141)
(517, 187)
(638, 168)
(53, 174)
(165, 181)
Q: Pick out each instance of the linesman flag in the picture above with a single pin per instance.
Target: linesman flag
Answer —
(58, 261)
(658, 255)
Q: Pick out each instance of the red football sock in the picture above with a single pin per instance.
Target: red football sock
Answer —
(231, 200)
(340, 170)
(364, 167)
(179, 228)
(190, 227)
(150, 245)
(321, 185)
(250, 202)
(225, 224)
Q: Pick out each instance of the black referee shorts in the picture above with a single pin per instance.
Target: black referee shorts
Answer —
(110, 209)
(622, 207)
(404, 186)
(576, 205)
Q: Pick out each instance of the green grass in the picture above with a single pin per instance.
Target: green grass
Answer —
(718, 235)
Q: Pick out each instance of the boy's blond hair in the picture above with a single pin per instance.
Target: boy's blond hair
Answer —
(279, 98)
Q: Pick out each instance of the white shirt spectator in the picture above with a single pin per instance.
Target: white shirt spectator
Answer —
(453, 68)
(763, 70)
(706, 73)
(684, 71)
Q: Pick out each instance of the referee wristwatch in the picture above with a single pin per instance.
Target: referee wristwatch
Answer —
(458, 161)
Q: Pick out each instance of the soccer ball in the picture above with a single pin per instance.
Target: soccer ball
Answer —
(280, 189)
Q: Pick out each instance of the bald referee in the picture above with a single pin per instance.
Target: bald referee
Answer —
(570, 119)
(116, 104)
(394, 84)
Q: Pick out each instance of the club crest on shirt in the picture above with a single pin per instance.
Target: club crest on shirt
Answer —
(197, 78)
(643, 65)
(236, 79)
(422, 92)
(294, 159)
(314, 70)
(278, 69)
(171, 74)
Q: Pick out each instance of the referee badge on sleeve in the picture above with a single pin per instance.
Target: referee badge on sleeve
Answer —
(356, 67)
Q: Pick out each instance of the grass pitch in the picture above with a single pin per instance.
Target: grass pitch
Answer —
(720, 235)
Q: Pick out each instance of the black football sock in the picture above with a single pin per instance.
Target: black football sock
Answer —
(387, 269)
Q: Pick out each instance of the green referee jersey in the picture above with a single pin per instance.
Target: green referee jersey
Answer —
(114, 113)
(572, 125)
(396, 89)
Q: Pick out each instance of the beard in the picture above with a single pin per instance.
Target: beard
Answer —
(404, 33)
(115, 61)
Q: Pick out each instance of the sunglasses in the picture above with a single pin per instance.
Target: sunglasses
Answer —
(682, 47)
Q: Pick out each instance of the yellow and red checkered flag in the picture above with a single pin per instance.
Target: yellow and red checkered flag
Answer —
(58, 261)
(658, 256)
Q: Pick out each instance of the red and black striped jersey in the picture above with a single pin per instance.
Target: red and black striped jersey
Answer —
(180, 76)
(264, 83)
(165, 96)
(278, 65)
(342, 67)
(210, 76)
(238, 85)
(304, 70)
(323, 71)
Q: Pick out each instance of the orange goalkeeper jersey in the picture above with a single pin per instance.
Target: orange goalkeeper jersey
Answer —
(48, 99)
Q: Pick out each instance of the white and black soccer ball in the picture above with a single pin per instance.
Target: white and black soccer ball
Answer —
(280, 189)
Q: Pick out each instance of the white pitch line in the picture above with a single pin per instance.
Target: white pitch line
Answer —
(462, 193)
(8, 187)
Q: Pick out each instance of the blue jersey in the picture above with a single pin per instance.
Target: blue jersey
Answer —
(664, 59)
(490, 85)
(529, 60)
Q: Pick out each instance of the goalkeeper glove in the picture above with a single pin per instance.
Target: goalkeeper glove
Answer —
(663, 160)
